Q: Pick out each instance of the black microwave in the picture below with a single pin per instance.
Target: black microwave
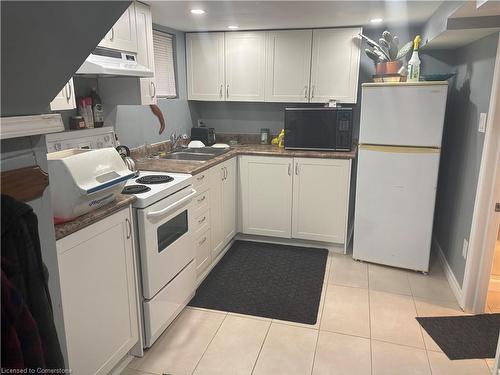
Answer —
(318, 128)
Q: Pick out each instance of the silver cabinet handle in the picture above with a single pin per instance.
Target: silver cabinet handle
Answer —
(220, 91)
(112, 34)
(153, 87)
(225, 168)
(66, 92)
(289, 169)
(199, 178)
(227, 91)
(223, 173)
(129, 226)
(202, 219)
(312, 91)
(202, 199)
(202, 241)
(70, 89)
(297, 168)
(305, 92)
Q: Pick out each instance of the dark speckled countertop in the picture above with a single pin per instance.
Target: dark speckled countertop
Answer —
(195, 167)
(121, 202)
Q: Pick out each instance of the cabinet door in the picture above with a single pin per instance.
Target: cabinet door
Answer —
(229, 200)
(320, 199)
(98, 290)
(266, 195)
(205, 66)
(245, 66)
(216, 175)
(335, 65)
(123, 34)
(288, 65)
(65, 99)
(145, 52)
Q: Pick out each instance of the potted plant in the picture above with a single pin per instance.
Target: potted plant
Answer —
(386, 54)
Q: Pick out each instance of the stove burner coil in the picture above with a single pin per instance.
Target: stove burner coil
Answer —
(154, 179)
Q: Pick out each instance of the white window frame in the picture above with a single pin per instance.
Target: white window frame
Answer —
(162, 89)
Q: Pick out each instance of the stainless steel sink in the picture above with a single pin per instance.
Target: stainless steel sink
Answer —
(196, 154)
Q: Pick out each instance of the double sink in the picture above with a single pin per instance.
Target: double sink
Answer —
(195, 154)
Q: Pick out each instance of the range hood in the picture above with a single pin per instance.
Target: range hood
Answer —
(109, 63)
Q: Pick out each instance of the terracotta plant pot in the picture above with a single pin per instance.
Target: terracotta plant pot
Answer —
(387, 67)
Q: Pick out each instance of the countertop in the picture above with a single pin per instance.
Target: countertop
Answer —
(195, 167)
(121, 202)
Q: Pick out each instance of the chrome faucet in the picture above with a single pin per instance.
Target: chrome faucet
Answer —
(174, 139)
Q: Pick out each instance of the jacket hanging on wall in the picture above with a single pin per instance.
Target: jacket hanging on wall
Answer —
(23, 267)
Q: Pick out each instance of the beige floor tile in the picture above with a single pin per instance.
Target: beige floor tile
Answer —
(441, 365)
(430, 287)
(346, 311)
(393, 319)
(338, 354)
(347, 272)
(321, 302)
(235, 347)
(388, 279)
(180, 348)
(490, 363)
(287, 350)
(493, 301)
(396, 359)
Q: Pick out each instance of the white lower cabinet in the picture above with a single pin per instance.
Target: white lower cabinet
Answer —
(320, 199)
(222, 204)
(266, 195)
(303, 198)
(99, 294)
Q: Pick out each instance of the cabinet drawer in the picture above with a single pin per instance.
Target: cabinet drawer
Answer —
(202, 252)
(200, 181)
(201, 202)
(201, 223)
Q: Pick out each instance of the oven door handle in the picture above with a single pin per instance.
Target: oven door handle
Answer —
(154, 214)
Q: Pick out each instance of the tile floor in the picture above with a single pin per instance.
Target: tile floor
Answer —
(366, 325)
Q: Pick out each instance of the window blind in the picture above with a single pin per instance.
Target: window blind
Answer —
(164, 64)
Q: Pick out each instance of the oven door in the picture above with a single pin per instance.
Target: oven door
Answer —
(165, 240)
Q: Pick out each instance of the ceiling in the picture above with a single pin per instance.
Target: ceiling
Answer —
(257, 15)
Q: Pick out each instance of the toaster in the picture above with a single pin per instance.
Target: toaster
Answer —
(205, 135)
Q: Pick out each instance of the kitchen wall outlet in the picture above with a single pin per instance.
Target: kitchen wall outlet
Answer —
(201, 124)
(482, 122)
(465, 248)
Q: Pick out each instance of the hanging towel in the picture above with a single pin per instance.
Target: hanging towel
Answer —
(24, 268)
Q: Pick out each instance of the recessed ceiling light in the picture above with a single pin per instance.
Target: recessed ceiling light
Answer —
(233, 27)
(376, 20)
(197, 11)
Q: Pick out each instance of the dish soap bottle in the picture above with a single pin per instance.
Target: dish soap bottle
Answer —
(414, 63)
(281, 139)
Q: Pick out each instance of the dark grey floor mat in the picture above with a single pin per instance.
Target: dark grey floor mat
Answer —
(464, 337)
(268, 280)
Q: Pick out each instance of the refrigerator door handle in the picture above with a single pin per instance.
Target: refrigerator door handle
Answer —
(401, 149)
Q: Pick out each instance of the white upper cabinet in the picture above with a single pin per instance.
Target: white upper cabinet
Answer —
(123, 34)
(65, 99)
(335, 65)
(320, 199)
(205, 66)
(245, 64)
(288, 66)
(145, 52)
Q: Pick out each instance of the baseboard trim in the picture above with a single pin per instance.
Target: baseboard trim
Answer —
(450, 276)
(494, 285)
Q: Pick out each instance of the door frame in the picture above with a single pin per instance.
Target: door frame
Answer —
(485, 221)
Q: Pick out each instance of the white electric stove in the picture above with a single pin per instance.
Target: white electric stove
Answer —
(165, 241)
(150, 187)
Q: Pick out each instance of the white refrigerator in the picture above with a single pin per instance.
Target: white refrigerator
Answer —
(398, 160)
